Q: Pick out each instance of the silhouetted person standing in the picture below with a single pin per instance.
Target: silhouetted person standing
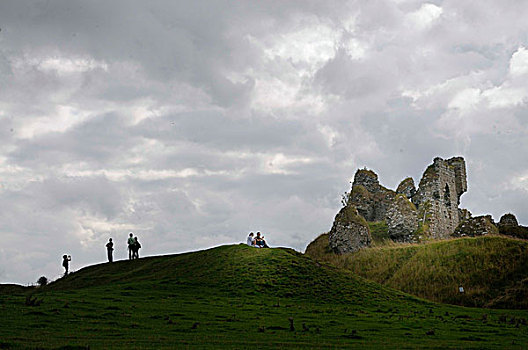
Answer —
(66, 263)
(130, 242)
(110, 250)
(135, 249)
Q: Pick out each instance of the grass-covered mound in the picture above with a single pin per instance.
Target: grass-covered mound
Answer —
(236, 270)
(493, 270)
(240, 297)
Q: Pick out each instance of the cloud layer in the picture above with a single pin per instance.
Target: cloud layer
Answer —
(192, 123)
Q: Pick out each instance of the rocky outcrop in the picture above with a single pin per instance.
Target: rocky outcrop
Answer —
(463, 214)
(407, 188)
(410, 213)
(402, 220)
(508, 220)
(438, 195)
(350, 231)
(369, 197)
(432, 209)
(509, 226)
(476, 226)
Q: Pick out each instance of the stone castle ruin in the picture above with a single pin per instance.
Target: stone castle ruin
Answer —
(412, 214)
(439, 193)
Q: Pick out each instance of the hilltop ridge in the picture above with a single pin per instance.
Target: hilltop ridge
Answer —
(235, 269)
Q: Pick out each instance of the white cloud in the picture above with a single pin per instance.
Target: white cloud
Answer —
(330, 134)
(61, 65)
(519, 62)
(61, 119)
(503, 97)
(425, 16)
(355, 48)
(519, 182)
(312, 42)
(280, 163)
(144, 175)
(272, 93)
(466, 100)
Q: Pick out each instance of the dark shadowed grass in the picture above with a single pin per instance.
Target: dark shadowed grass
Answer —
(241, 297)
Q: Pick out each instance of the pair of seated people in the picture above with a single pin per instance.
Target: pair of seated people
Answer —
(258, 241)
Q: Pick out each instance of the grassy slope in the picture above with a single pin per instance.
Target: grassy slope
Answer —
(241, 297)
(493, 270)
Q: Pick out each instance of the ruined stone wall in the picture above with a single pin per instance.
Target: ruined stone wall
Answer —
(369, 197)
(476, 226)
(349, 233)
(407, 188)
(438, 195)
(402, 220)
(508, 220)
(459, 166)
(411, 214)
(508, 225)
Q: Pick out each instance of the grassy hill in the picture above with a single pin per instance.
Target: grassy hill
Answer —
(492, 269)
(239, 297)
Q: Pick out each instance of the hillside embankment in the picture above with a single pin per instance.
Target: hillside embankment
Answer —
(492, 270)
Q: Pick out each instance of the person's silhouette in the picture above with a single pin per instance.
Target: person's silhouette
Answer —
(110, 250)
(135, 249)
(66, 263)
(130, 243)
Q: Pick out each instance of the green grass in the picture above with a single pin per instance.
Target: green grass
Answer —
(238, 297)
(379, 232)
(349, 214)
(492, 269)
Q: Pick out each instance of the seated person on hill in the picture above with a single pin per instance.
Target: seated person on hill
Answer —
(260, 242)
(264, 244)
(250, 240)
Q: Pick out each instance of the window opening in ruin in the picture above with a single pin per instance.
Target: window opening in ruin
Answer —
(447, 196)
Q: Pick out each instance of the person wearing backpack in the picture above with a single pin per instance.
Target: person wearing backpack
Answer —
(130, 243)
(135, 249)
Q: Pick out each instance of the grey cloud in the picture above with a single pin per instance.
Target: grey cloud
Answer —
(163, 135)
(100, 140)
(93, 195)
(220, 131)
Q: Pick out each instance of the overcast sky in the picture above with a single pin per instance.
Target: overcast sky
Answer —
(191, 123)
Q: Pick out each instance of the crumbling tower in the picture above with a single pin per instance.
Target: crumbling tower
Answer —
(438, 196)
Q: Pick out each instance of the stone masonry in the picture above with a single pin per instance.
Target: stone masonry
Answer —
(407, 188)
(369, 197)
(476, 226)
(402, 220)
(508, 220)
(438, 196)
(411, 214)
(350, 232)
(508, 225)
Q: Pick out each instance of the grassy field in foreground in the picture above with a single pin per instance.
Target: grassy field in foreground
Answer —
(240, 297)
(493, 270)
